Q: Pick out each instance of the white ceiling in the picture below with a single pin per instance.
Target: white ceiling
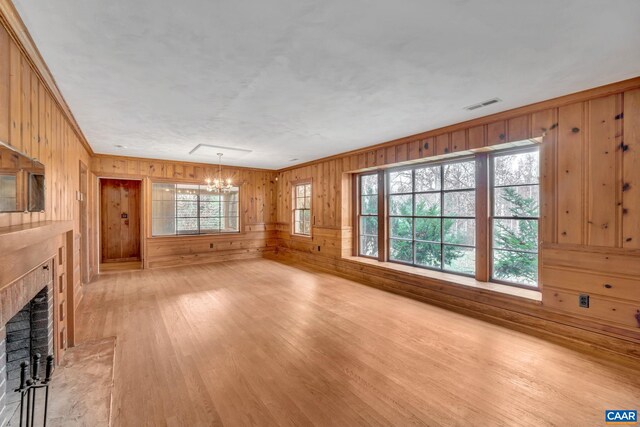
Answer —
(303, 79)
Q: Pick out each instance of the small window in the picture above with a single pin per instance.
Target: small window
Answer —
(515, 213)
(302, 209)
(191, 209)
(368, 216)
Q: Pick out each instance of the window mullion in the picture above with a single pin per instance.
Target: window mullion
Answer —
(483, 218)
(382, 241)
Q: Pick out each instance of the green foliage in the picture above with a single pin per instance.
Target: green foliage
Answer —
(426, 229)
(520, 235)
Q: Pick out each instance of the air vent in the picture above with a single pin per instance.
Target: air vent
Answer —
(482, 104)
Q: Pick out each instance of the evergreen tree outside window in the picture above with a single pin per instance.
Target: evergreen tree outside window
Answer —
(368, 215)
(515, 187)
(432, 216)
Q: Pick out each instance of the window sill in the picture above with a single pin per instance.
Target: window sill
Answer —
(533, 295)
(300, 236)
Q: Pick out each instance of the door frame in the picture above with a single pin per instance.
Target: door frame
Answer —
(99, 215)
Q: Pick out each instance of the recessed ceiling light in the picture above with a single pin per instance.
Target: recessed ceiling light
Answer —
(120, 147)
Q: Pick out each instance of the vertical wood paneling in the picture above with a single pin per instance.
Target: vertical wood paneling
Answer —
(458, 140)
(518, 128)
(570, 188)
(496, 133)
(603, 173)
(631, 171)
(442, 144)
(5, 69)
(476, 137)
(547, 120)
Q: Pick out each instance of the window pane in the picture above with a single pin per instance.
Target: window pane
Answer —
(187, 226)
(307, 202)
(517, 168)
(369, 184)
(230, 223)
(515, 234)
(516, 201)
(209, 224)
(401, 228)
(428, 254)
(427, 204)
(209, 209)
(369, 246)
(460, 231)
(300, 191)
(428, 229)
(401, 205)
(460, 203)
(306, 216)
(298, 227)
(400, 182)
(163, 227)
(186, 209)
(369, 225)
(400, 250)
(163, 209)
(428, 179)
(459, 259)
(369, 205)
(459, 175)
(516, 267)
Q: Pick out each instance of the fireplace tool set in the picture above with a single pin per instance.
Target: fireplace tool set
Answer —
(29, 387)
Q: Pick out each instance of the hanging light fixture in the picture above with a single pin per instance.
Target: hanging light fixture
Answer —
(219, 185)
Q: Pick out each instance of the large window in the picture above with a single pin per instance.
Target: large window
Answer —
(432, 216)
(191, 209)
(302, 209)
(515, 211)
(368, 215)
(475, 215)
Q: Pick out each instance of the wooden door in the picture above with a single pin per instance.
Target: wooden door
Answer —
(119, 220)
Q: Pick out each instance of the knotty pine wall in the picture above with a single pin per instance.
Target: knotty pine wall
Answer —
(34, 123)
(257, 210)
(590, 205)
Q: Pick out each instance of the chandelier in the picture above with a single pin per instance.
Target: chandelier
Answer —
(219, 185)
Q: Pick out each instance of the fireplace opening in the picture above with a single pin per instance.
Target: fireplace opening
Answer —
(28, 332)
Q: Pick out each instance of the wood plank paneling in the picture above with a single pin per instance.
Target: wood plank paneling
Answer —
(570, 187)
(603, 177)
(630, 148)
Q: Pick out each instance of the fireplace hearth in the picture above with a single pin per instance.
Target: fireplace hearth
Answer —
(27, 332)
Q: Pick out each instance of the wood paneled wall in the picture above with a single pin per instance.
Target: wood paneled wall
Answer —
(590, 203)
(34, 122)
(257, 210)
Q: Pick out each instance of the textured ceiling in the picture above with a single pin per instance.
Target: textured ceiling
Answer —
(300, 79)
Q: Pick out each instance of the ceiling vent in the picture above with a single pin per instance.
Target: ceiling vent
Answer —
(483, 104)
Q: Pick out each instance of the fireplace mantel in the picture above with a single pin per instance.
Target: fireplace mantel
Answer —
(17, 237)
(23, 247)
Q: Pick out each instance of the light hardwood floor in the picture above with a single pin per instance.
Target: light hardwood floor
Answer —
(258, 342)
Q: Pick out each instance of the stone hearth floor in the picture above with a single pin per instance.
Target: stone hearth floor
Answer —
(81, 388)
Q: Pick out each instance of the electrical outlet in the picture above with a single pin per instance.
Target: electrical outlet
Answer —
(318, 248)
(210, 245)
(583, 300)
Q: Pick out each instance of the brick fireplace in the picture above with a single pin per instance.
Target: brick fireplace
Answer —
(27, 332)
